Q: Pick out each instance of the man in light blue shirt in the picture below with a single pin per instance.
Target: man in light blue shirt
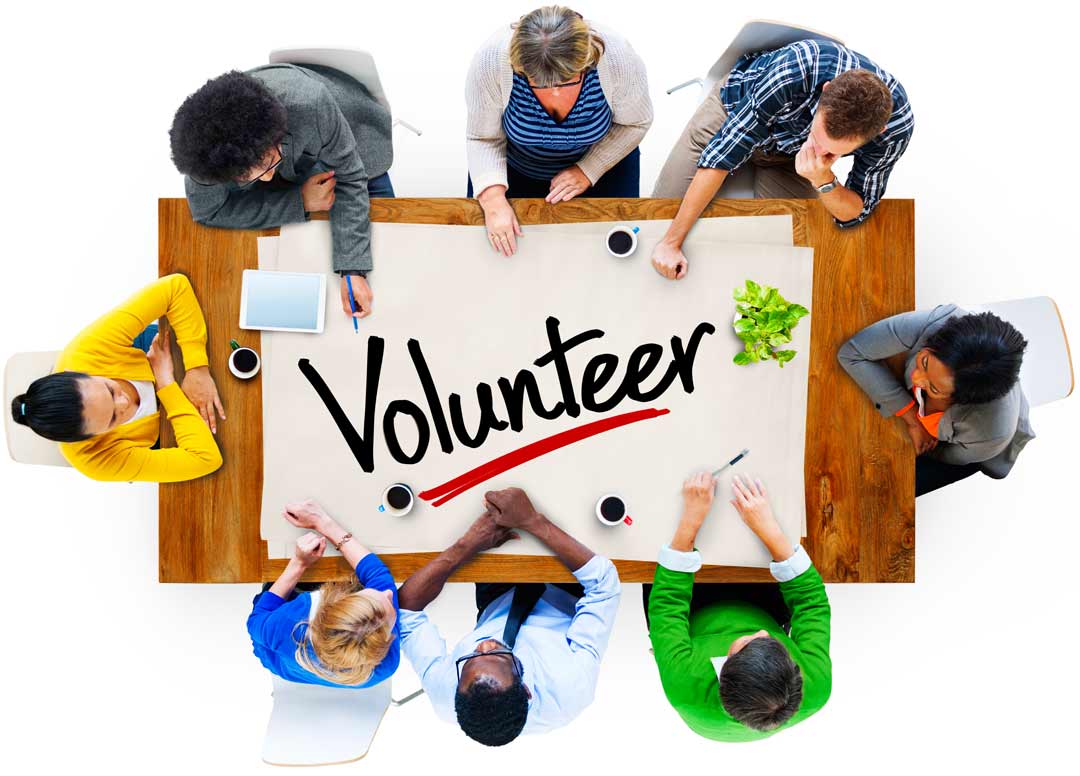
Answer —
(532, 661)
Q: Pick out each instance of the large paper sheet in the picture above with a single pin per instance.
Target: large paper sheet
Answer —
(476, 317)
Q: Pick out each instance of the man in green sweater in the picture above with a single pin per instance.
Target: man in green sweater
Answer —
(733, 669)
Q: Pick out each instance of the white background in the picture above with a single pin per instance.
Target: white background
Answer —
(972, 666)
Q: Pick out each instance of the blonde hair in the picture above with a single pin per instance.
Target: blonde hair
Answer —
(553, 44)
(350, 634)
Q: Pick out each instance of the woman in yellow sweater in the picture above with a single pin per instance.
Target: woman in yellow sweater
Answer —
(100, 401)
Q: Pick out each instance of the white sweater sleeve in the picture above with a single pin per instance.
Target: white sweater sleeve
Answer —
(485, 141)
(625, 84)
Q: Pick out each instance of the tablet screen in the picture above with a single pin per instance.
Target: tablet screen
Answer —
(282, 300)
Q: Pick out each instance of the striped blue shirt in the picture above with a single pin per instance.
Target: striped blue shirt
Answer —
(539, 147)
(771, 98)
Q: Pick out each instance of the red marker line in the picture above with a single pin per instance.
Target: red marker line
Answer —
(496, 466)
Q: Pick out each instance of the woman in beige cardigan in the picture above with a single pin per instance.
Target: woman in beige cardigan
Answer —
(556, 108)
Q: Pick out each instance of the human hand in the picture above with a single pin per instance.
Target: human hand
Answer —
(309, 548)
(160, 357)
(567, 185)
(202, 391)
(309, 514)
(698, 492)
(486, 534)
(512, 508)
(669, 261)
(362, 295)
(813, 164)
(500, 220)
(318, 191)
(752, 503)
(921, 439)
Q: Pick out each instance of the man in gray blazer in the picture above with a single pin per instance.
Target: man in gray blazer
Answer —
(269, 146)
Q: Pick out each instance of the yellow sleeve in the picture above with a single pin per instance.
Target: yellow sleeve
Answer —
(171, 297)
(195, 455)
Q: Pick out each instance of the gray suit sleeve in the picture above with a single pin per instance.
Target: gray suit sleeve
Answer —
(862, 355)
(257, 207)
(959, 453)
(350, 226)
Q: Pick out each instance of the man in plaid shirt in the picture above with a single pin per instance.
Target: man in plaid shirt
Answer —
(785, 117)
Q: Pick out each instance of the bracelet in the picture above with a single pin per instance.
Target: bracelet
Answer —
(345, 538)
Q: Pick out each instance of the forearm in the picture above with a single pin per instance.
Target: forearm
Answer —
(424, 586)
(842, 203)
(350, 226)
(492, 195)
(352, 550)
(567, 549)
(703, 188)
(686, 534)
(286, 583)
(778, 545)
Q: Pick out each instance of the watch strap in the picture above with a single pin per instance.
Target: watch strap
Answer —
(828, 186)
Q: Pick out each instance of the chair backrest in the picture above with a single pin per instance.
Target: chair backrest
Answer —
(759, 35)
(353, 62)
(1047, 372)
(316, 725)
(24, 446)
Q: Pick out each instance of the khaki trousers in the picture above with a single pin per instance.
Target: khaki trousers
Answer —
(773, 176)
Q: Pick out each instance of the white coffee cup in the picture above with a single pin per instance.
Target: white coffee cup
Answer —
(387, 497)
(620, 517)
(630, 232)
(235, 369)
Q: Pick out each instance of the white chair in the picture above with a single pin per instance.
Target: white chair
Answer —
(24, 446)
(756, 35)
(316, 725)
(353, 62)
(1047, 372)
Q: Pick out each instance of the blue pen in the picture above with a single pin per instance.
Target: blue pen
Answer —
(352, 303)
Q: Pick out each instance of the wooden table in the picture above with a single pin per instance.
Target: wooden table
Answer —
(860, 473)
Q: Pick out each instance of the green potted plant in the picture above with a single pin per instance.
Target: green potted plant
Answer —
(763, 321)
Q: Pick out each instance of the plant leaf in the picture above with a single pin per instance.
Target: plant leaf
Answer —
(742, 359)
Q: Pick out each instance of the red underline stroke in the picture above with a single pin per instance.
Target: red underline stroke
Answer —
(458, 485)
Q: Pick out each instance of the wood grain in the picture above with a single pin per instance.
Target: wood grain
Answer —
(859, 471)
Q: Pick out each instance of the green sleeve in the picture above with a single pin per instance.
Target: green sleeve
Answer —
(669, 632)
(810, 629)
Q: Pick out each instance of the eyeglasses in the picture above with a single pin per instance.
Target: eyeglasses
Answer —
(251, 182)
(580, 78)
(518, 668)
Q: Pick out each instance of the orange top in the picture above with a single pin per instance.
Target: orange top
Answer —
(929, 422)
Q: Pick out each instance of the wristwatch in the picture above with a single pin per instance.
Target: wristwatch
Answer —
(828, 186)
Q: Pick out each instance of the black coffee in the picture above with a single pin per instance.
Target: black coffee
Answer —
(619, 242)
(398, 497)
(244, 360)
(613, 509)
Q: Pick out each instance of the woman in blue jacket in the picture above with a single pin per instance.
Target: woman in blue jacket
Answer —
(344, 634)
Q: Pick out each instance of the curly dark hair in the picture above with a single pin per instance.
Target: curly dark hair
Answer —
(491, 715)
(760, 685)
(225, 128)
(857, 104)
(984, 354)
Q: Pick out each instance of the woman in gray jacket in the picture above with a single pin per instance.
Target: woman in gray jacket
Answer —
(959, 393)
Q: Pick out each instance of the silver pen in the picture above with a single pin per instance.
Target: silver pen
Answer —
(733, 461)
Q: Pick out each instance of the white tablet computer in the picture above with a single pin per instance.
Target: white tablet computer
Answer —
(283, 301)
